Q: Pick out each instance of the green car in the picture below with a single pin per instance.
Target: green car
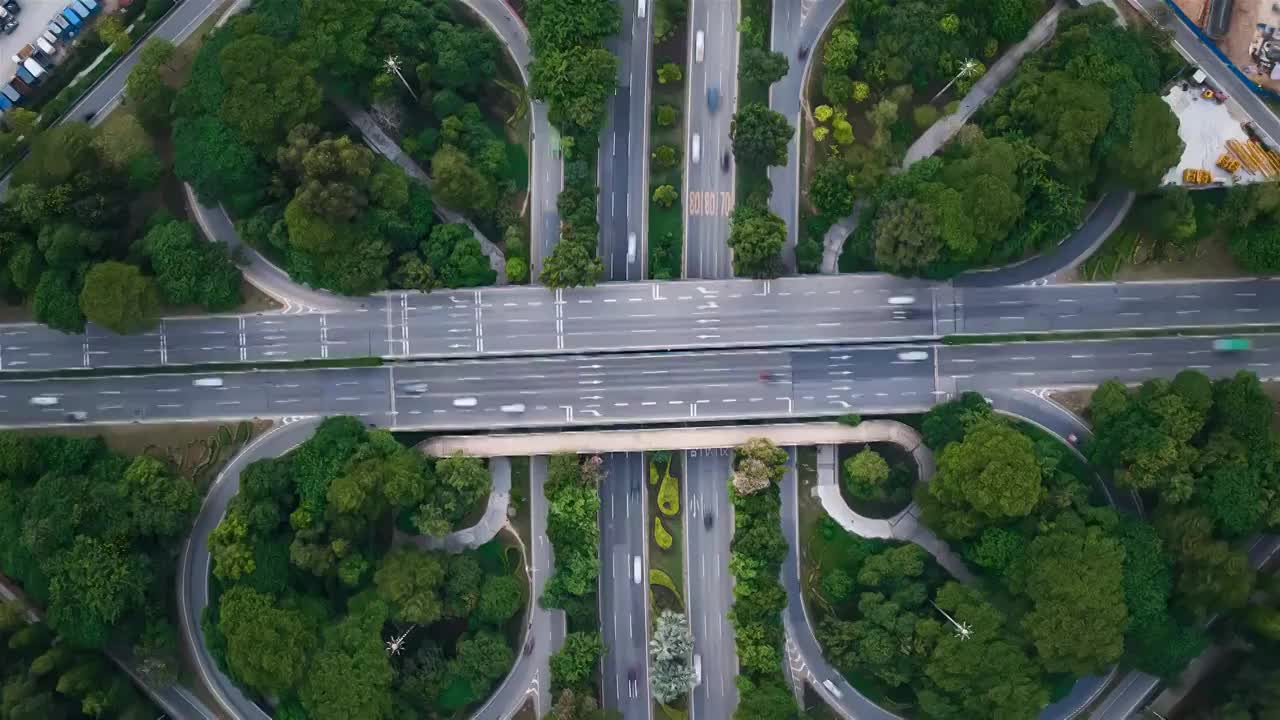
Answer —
(1231, 344)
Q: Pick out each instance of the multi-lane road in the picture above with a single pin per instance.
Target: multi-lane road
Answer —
(708, 584)
(630, 388)
(649, 316)
(624, 597)
(709, 168)
(624, 149)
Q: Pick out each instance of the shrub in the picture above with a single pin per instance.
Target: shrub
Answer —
(850, 419)
(667, 115)
(861, 91)
(669, 495)
(924, 116)
(823, 113)
(517, 270)
(660, 534)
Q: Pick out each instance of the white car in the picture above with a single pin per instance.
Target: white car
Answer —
(207, 382)
(635, 569)
(631, 248)
(901, 300)
(697, 46)
(831, 687)
(513, 408)
(464, 402)
(416, 388)
(913, 355)
(696, 149)
(44, 400)
(640, 9)
(697, 669)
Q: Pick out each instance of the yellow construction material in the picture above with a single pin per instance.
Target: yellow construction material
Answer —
(1228, 163)
(1196, 176)
(1241, 151)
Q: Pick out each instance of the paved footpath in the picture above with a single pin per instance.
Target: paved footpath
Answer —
(487, 527)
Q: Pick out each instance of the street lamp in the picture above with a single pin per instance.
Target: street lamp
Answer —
(394, 645)
(963, 631)
(392, 64)
(967, 68)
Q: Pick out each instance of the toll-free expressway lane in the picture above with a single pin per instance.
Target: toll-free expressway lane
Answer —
(649, 316)
(609, 389)
(624, 586)
(708, 584)
(709, 167)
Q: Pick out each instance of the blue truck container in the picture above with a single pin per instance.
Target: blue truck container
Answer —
(80, 7)
(82, 14)
(5, 103)
(91, 4)
(71, 17)
(10, 94)
(25, 76)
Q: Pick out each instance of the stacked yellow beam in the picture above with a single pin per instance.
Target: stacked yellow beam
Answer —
(1256, 159)
(1228, 163)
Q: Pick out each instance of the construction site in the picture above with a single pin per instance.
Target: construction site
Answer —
(1220, 149)
(1246, 31)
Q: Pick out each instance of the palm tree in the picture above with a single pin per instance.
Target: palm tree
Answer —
(967, 69)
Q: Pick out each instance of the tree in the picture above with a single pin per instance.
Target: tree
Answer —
(351, 675)
(1256, 247)
(760, 135)
(989, 477)
(56, 302)
(665, 195)
(671, 650)
(121, 142)
(830, 192)
(458, 184)
(207, 154)
(950, 421)
(119, 297)
(1075, 583)
(571, 264)
(576, 83)
(269, 89)
(158, 503)
(191, 271)
(666, 115)
(665, 156)
(907, 236)
(574, 665)
(756, 237)
(557, 24)
(841, 50)
(867, 472)
(409, 581)
(56, 155)
(757, 464)
(267, 645)
(93, 585)
(759, 65)
(1153, 145)
(500, 598)
(483, 657)
(150, 97)
(669, 72)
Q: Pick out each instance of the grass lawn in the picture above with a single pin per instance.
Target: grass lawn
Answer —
(666, 232)
(670, 560)
(195, 449)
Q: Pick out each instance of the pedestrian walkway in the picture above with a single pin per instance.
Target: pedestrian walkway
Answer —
(906, 525)
(485, 529)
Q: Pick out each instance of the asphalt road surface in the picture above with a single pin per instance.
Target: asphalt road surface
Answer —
(708, 182)
(641, 388)
(624, 149)
(813, 310)
(624, 602)
(708, 584)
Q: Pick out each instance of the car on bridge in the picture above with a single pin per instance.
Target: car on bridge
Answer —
(1232, 344)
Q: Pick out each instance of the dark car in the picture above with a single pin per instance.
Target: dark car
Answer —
(13, 7)
(528, 647)
(635, 484)
(708, 520)
(724, 161)
(713, 99)
(804, 52)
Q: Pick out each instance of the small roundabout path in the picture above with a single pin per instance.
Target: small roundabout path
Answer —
(195, 565)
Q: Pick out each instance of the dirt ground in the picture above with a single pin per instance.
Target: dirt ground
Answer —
(1211, 260)
(1245, 16)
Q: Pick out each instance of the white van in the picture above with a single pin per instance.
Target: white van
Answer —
(208, 382)
(640, 9)
(831, 687)
(697, 669)
(44, 400)
(913, 355)
(464, 402)
(636, 568)
(631, 248)
(697, 46)
(696, 150)
(513, 408)
(901, 300)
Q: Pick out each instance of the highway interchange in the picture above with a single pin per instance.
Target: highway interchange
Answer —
(599, 356)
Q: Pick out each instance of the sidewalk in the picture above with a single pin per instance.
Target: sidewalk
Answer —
(495, 516)
(698, 438)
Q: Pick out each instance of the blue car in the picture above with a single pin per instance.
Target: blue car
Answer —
(713, 99)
